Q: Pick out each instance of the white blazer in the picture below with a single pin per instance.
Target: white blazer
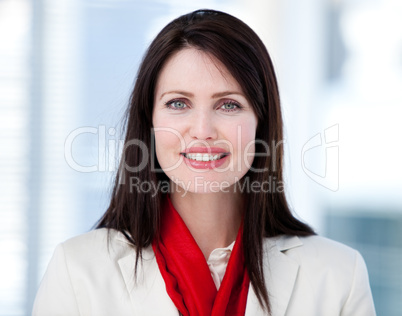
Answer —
(309, 276)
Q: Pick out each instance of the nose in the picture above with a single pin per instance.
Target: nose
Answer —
(203, 126)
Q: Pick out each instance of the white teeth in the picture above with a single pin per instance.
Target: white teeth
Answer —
(203, 157)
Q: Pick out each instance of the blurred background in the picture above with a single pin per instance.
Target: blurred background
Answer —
(66, 71)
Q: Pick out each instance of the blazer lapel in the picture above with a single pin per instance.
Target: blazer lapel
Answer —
(280, 273)
(147, 291)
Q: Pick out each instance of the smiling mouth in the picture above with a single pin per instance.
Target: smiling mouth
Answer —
(204, 157)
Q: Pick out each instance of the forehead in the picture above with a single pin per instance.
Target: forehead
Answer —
(197, 70)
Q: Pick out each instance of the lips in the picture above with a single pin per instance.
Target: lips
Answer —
(205, 157)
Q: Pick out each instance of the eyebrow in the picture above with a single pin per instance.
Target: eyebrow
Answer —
(215, 95)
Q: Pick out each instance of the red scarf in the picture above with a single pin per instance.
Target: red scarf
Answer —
(187, 276)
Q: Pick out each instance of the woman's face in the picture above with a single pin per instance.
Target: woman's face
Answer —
(204, 125)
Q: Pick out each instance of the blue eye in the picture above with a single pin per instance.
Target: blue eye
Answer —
(230, 107)
(176, 105)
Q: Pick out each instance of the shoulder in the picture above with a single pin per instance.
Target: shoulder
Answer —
(316, 254)
(322, 270)
(321, 248)
(97, 249)
(312, 248)
(75, 282)
(98, 238)
(318, 244)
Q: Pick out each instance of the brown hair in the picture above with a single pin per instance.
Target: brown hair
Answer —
(137, 214)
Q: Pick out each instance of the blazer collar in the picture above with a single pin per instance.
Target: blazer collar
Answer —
(147, 285)
(280, 273)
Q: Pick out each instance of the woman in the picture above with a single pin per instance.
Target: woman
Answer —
(198, 222)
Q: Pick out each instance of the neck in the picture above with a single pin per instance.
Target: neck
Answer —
(213, 219)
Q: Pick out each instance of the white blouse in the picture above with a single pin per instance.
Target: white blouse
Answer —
(217, 263)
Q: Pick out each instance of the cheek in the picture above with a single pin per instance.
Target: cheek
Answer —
(248, 150)
(159, 148)
(248, 142)
(168, 145)
(162, 144)
(162, 140)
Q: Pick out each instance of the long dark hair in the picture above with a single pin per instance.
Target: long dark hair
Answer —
(136, 213)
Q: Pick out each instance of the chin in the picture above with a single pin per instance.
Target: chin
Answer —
(205, 184)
